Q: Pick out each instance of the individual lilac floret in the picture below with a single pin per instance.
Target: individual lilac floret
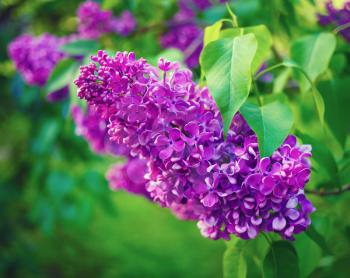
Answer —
(176, 126)
(337, 17)
(94, 130)
(35, 57)
(124, 24)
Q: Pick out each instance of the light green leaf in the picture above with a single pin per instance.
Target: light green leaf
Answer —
(212, 32)
(281, 81)
(271, 122)
(234, 262)
(263, 37)
(281, 261)
(319, 103)
(313, 54)
(61, 75)
(227, 66)
(80, 47)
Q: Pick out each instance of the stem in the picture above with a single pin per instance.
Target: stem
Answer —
(341, 28)
(257, 93)
(268, 70)
(333, 192)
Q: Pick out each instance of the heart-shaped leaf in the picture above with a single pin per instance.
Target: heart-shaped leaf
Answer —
(227, 65)
(271, 123)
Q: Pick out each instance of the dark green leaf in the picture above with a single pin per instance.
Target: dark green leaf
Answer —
(313, 234)
(80, 47)
(61, 75)
(271, 122)
(281, 261)
(322, 158)
(227, 66)
(337, 99)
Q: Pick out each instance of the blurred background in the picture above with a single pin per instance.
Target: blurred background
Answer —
(58, 217)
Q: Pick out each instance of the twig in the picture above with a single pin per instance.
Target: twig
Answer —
(323, 192)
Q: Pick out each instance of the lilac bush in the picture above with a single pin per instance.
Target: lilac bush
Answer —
(165, 118)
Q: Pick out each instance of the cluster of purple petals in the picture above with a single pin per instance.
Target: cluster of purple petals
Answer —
(337, 17)
(94, 130)
(94, 22)
(163, 117)
(129, 176)
(35, 57)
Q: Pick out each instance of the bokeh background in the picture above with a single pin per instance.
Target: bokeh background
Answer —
(58, 217)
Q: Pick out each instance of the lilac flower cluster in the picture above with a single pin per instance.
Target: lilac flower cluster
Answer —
(166, 119)
(337, 17)
(94, 22)
(35, 57)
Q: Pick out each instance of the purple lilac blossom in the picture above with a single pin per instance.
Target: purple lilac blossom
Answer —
(124, 24)
(35, 57)
(94, 22)
(129, 176)
(337, 17)
(176, 126)
(94, 130)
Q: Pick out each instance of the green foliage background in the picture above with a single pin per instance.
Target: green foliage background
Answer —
(58, 217)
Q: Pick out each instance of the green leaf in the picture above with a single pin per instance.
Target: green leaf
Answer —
(212, 32)
(61, 75)
(271, 122)
(227, 66)
(309, 254)
(263, 37)
(322, 159)
(234, 262)
(337, 99)
(80, 47)
(281, 261)
(281, 81)
(319, 103)
(313, 234)
(313, 54)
